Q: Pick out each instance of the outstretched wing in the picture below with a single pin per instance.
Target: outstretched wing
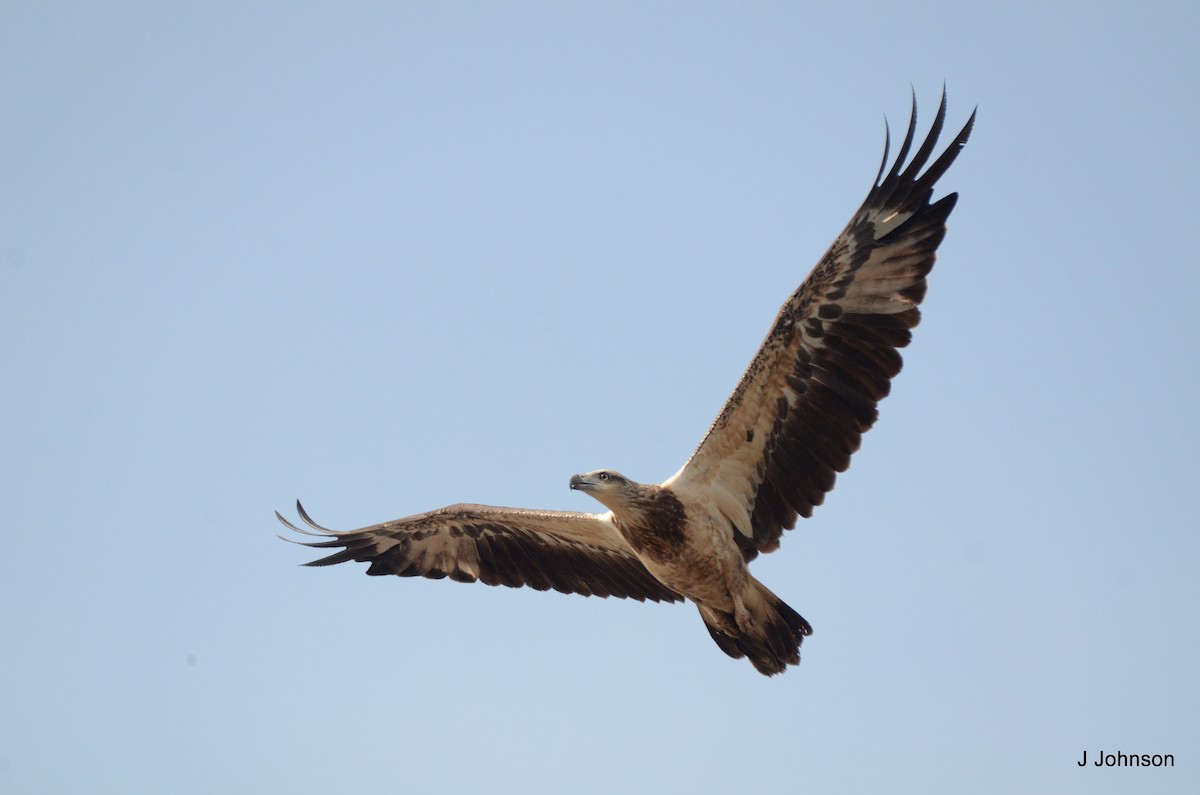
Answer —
(801, 408)
(569, 552)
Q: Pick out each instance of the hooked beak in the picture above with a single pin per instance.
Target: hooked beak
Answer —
(580, 483)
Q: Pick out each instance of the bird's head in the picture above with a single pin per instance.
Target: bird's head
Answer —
(612, 489)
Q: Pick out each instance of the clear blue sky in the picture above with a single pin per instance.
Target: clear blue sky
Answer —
(386, 257)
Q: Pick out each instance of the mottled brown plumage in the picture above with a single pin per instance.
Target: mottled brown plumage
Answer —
(792, 423)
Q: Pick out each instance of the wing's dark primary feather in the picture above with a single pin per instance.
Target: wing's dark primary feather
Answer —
(569, 552)
(800, 410)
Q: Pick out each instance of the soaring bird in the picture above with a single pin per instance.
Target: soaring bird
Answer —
(793, 421)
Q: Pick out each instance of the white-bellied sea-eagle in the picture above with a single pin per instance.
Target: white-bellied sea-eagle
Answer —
(792, 423)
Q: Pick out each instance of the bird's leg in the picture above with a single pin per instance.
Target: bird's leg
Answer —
(741, 614)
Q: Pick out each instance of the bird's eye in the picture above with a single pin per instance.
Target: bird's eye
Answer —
(603, 476)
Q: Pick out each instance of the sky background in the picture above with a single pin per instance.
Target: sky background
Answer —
(386, 257)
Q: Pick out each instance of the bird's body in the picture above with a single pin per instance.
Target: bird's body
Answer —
(686, 545)
(793, 421)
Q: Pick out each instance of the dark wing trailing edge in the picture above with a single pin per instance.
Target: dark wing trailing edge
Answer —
(800, 410)
(570, 552)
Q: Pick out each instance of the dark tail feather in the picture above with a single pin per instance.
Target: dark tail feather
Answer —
(773, 642)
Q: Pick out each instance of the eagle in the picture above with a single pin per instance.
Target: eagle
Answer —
(772, 454)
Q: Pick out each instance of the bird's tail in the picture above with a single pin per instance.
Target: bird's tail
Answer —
(772, 641)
